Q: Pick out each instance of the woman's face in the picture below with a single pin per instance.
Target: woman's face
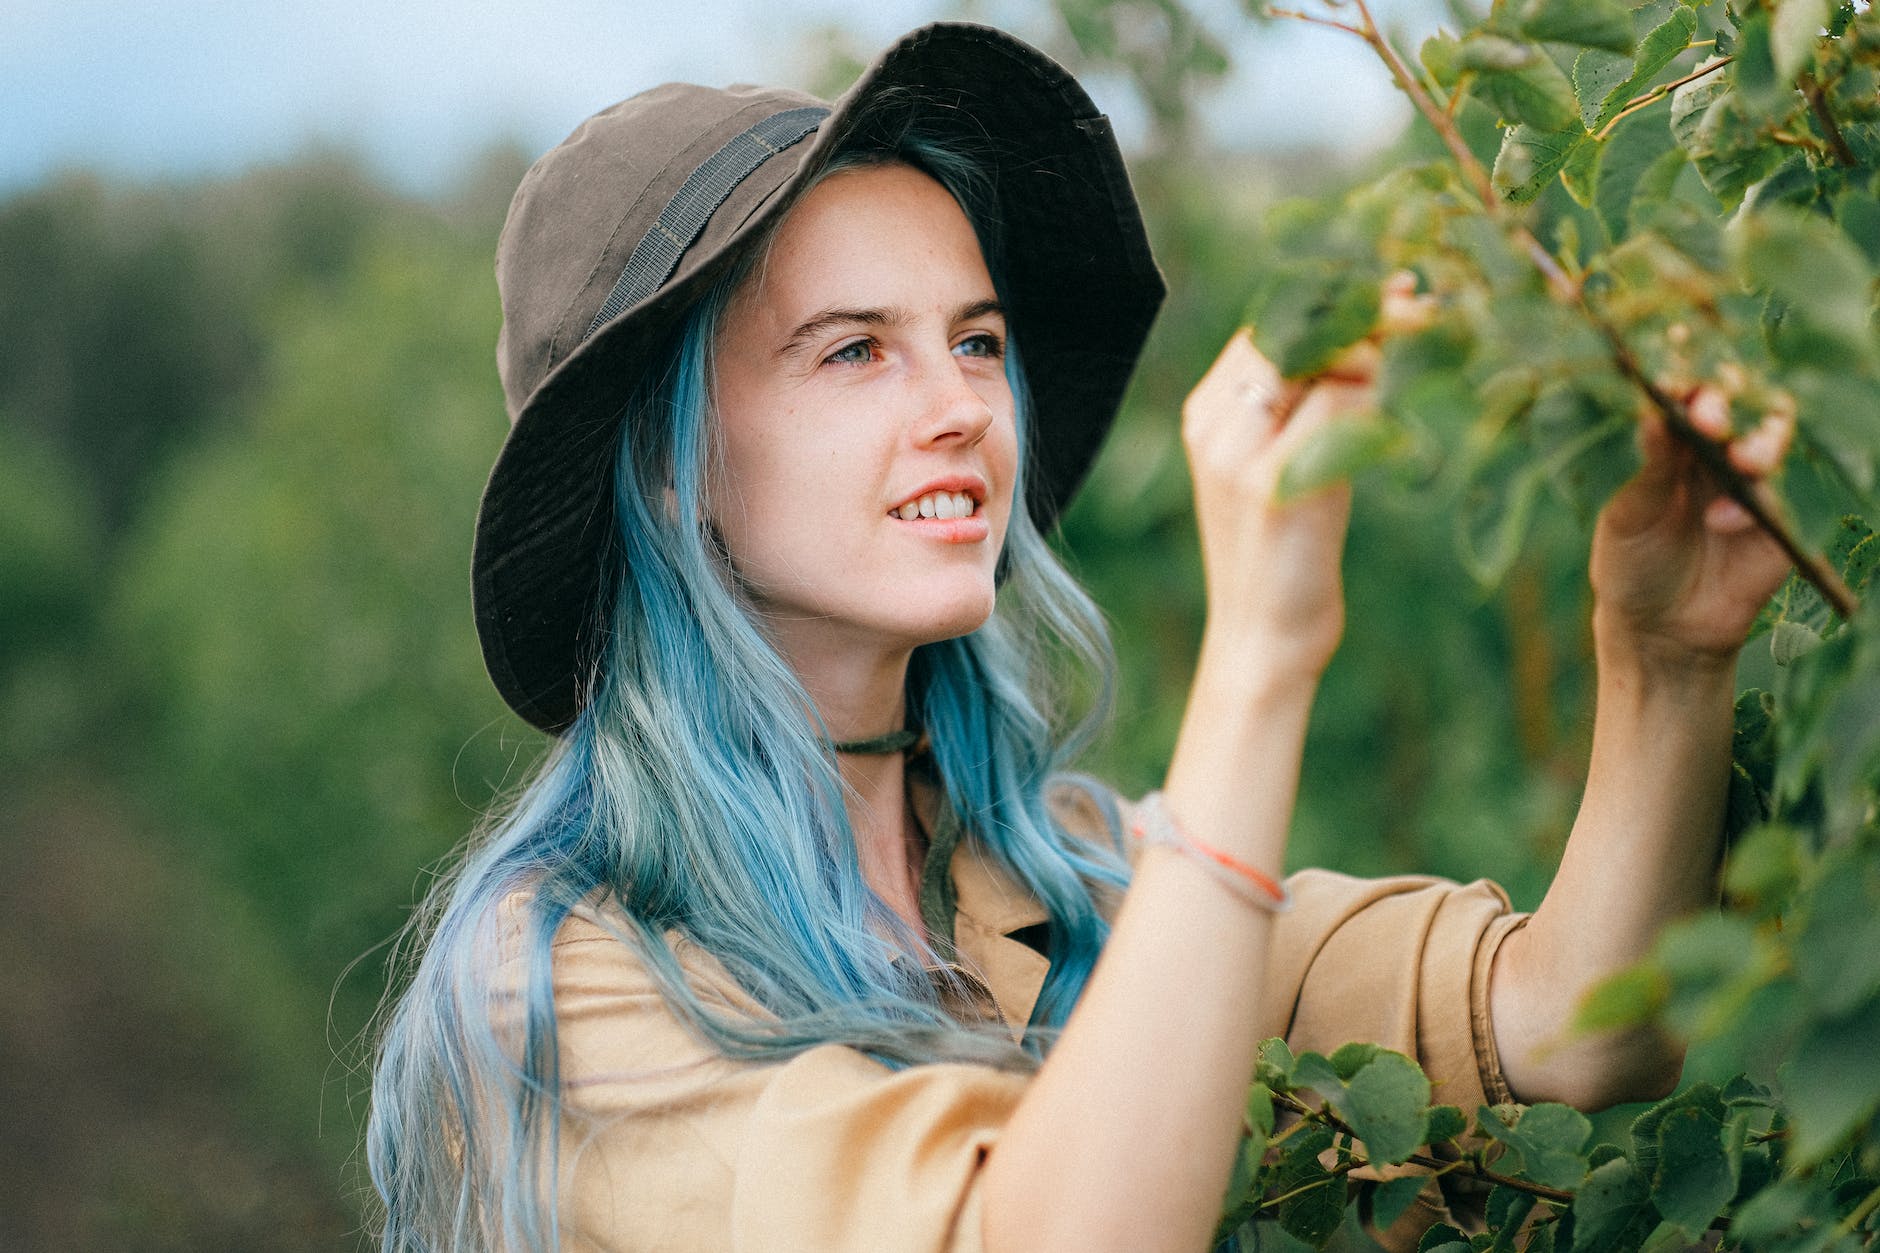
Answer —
(867, 447)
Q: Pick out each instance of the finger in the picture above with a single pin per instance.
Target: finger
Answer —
(1726, 517)
(1400, 310)
(1709, 411)
(1761, 451)
(1357, 366)
(1663, 458)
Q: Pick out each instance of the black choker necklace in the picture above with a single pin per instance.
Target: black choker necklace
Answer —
(880, 745)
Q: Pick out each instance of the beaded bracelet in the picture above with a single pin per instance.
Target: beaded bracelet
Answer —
(1156, 825)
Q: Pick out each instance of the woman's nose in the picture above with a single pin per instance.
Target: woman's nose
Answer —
(953, 408)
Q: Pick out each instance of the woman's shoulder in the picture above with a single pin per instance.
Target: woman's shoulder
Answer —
(597, 950)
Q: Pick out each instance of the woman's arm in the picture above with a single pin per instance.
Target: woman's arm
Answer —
(1678, 573)
(1125, 1138)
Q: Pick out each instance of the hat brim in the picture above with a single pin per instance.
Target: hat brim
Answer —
(1081, 293)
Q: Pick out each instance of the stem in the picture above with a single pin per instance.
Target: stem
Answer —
(1756, 497)
(1444, 124)
(1313, 19)
(1475, 1168)
(1824, 117)
(1659, 93)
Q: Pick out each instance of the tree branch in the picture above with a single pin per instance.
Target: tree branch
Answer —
(1824, 117)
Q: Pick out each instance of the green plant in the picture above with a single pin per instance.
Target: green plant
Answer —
(1682, 192)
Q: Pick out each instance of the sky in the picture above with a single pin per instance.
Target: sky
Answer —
(186, 88)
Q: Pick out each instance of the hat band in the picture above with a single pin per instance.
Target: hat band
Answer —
(683, 219)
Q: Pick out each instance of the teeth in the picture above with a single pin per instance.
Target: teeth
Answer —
(935, 505)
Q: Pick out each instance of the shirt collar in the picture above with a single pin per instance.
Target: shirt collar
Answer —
(972, 905)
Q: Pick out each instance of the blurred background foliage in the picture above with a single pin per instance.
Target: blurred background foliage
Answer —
(243, 427)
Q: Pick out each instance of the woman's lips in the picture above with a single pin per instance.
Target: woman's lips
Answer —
(971, 529)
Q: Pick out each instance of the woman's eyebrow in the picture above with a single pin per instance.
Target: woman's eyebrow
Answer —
(829, 319)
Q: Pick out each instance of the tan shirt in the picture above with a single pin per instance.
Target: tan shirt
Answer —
(667, 1146)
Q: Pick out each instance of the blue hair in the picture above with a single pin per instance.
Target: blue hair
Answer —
(696, 792)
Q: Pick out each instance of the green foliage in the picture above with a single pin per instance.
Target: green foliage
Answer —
(1695, 197)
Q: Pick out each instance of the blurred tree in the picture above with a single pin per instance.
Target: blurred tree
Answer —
(129, 319)
(319, 728)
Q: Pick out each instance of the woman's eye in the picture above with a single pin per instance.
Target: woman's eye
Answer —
(858, 352)
(982, 344)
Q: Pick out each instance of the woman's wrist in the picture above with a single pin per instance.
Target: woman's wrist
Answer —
(1652, 662)
(1255, 673)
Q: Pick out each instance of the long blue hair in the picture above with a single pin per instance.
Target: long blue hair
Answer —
(697, 795)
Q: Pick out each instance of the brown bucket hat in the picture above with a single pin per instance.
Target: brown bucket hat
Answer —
(614, 235)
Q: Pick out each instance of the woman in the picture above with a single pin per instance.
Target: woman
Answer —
(793, 942)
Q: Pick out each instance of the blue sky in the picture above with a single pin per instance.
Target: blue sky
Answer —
(167, 88)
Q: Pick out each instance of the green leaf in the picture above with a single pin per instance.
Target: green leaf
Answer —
(1660, 47)
(1766, 95)
(1316, 1205)
(1349, 1059)
(1439, 55)
(1275, 1066)
(1587, 23)
(1803, 260)
(1695, 1178)
(1337, 451)
(1794, 33)
(1507, 1209)
(1385, 1099)
(1596, 75)
(1611, 1199)
(1483, 51)
(1630, 998)
(1623, 159)
(1530, 158)
(1260, 1111)
(1308, 311)
(1652, 195)
(1832, 1083)
(1709, 123)
(1442, 1238)
(1840, 934)
(1548, 1141)
(1387, 1105)
(1534, 90)
(1581, 172)
(1792, 640)
(1393, 1197)
(1446, 1122)
(1764, 866)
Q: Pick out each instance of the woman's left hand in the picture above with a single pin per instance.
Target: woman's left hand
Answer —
(1679, 570)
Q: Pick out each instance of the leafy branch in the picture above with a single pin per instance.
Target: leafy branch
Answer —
(1471, 1163)
(1755, 496)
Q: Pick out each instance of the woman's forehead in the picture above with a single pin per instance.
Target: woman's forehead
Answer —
(878, 236)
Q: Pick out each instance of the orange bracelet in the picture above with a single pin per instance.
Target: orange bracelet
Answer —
(1156, 825)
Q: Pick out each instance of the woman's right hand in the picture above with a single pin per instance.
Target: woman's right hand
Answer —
(1275, 599)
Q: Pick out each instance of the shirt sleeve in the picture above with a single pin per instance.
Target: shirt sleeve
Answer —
(1402, 962)
(665, 1145)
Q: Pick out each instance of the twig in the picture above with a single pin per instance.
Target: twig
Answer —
(1753, 495)
(1313, 19)
(1830, 129)
(1659, 93)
